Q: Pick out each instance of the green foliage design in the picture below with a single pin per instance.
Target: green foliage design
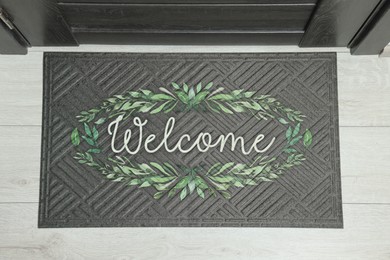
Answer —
(186, 98)
(178, 180)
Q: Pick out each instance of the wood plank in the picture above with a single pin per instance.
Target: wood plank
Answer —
(366, 235)
(364, 164)
(21, 89)
(376, 34)
(363, 82)
(20, 163)
(335, 22)
(364, 153)
(40, 22)
(364, 90)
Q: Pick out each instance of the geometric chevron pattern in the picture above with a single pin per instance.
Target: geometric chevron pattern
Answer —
(309, 195)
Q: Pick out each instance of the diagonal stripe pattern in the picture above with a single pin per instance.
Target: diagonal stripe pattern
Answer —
(73, 195)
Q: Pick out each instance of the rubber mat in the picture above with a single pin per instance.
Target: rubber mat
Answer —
(190, 139)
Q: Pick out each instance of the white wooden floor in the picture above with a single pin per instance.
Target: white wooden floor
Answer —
(364, 98)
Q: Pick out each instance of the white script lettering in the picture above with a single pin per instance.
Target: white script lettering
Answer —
(203, 142)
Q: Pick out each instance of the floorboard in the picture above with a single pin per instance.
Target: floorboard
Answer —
(365, 236)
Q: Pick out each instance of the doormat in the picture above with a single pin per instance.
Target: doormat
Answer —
(192, 140)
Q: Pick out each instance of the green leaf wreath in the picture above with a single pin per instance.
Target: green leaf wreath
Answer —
(170, 179)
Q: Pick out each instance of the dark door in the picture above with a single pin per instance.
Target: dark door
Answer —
(307, 23)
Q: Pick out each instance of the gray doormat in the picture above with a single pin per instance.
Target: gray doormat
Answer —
(203, 140)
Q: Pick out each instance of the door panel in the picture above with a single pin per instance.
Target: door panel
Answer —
(39, 21)
(192, 23)
(375, 34)
(172, 17)
(307, 23)
(9, 43)
(335, 22)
